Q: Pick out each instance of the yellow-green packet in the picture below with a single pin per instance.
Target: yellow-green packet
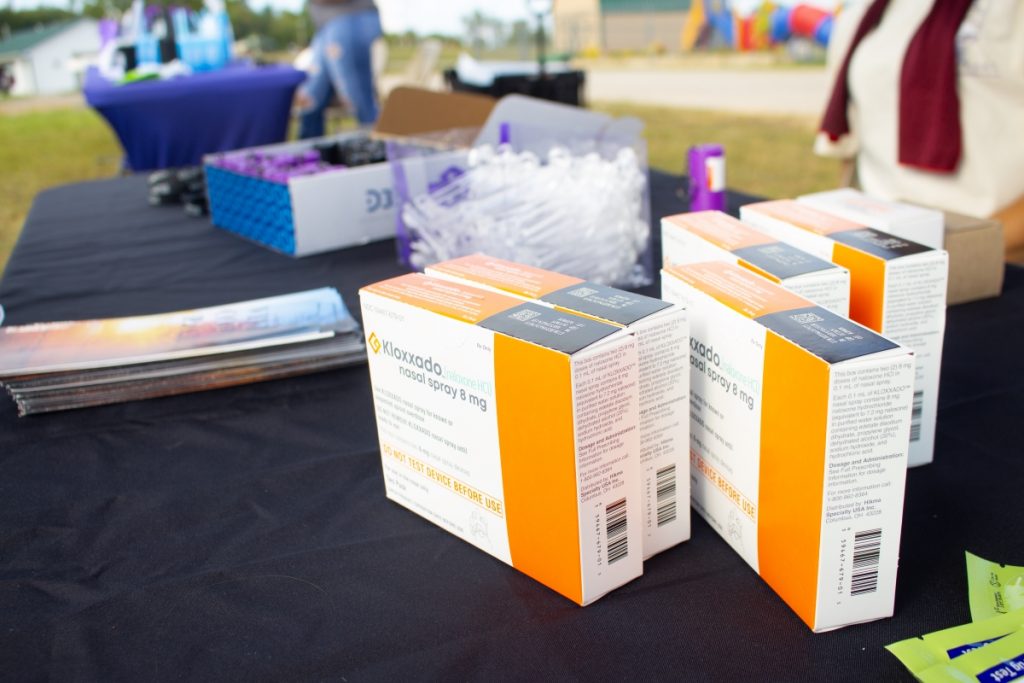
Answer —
(993, 588)
(938, 647)
(998, 662)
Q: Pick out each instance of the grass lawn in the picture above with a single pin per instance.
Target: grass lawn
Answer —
(765, 155)
(41, 149)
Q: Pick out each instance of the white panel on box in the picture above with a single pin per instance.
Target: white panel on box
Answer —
(342, 208)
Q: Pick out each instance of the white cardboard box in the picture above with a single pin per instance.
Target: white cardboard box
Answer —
(911, 222)
(798, 440)
(662, 333)
(897, 288)
(715, 236)
(511, 425)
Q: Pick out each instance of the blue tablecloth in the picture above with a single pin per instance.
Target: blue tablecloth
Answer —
(165, 124)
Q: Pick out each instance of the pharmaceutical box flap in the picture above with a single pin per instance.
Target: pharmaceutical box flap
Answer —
(824, 334)
(571, 293)
(776, 259)
(856, 235)
(534, 323)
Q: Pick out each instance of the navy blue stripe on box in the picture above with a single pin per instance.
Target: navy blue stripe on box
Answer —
(605, 303)
(879, 243)
(782, 260)
(831, 337)
(549, 328)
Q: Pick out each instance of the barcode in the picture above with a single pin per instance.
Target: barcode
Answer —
(615, 530)
(665, 480)
(915, 416)
(866, 549)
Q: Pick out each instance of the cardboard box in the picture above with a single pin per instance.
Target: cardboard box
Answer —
(335, 209)
(662, 334)
(799, 440)
(511, 425)
(976, 258)
(716, 236)
(909, 221)
(897, 288)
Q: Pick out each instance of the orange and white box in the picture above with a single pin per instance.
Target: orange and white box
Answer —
(715, 236)
(798, 437)
(662, 334)
(915, 223)
(512, 426)
(897, 288)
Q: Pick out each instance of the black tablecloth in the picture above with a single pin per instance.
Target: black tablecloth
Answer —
(244, 533)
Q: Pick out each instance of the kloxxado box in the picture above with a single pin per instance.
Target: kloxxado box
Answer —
(799, 430)
(716, 236)
(662, 334)
(512, 426)
(909, 221)
(897, 288)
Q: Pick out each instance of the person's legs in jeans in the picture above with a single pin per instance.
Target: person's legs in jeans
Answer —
(347, 40)
(317, 92)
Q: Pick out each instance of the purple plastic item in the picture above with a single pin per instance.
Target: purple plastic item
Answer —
(277, 168)
(707, 178)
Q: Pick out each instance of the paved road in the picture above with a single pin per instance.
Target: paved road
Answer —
(800, 92)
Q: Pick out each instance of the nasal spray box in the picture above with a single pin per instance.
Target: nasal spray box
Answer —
(798, 435)
(897, 288)
(915, 223)
(511, 425)
(664, 379)
(716, 236)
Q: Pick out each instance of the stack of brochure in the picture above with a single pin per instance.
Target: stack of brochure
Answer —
(63, 365)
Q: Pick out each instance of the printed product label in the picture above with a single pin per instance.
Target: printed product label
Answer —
(664, 429)
(433, 387)
(829, 290)
(714, 172)
(606, 435)
(915, 316)
(605, 303)
(725, 417)
(863, 488)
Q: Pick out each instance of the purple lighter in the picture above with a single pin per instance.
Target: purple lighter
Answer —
(707, 178)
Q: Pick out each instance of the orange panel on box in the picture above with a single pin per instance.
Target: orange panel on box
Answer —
(867, 284)
(738, 289)
(805, 217)
(538, 462)
(515, 278)
(794, 418)
(461, 302)
(720, 229)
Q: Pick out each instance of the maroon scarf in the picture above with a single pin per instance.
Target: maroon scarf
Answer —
(929, 125)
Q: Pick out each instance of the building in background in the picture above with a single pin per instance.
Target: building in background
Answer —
(582, 26)
(47, 60)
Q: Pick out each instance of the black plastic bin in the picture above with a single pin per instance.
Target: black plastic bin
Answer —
(565, 86)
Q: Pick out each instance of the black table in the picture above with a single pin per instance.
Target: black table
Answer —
(244, 533)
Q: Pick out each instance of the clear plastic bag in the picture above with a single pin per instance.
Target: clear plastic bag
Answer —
(575, 206)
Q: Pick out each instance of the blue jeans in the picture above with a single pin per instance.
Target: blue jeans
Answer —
(341, 64)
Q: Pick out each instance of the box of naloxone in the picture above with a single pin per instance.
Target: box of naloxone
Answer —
(897, 288)
(716, 236)
(511, 425)
(799, 431)
(909, 221)
(664, 376)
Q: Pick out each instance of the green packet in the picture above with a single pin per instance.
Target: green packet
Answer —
(918, 654)
(993, 588)
(1001, 661)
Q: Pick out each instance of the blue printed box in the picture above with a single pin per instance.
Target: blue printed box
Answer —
(307, 214)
